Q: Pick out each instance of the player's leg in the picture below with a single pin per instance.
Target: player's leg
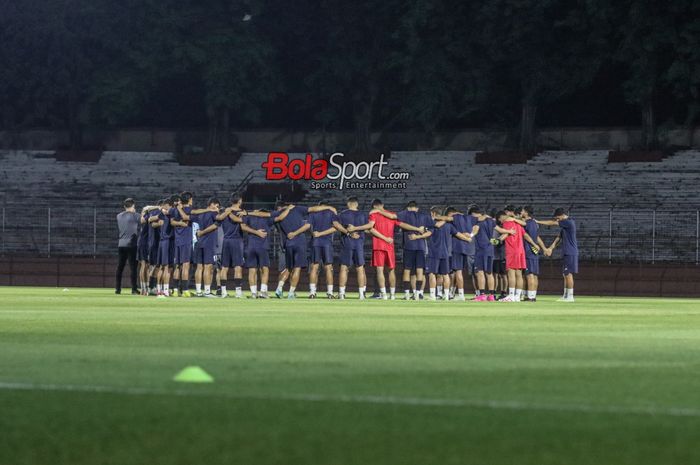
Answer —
(361, 280)
(481, 285)
(253, 281)
(238, 280)
(392, 283)
(343, 280)
(199, 279)
(120, 269)
(446, 285)
(313, 275)
(185, 277)
(569, 285)
(293, 281)
(409, 265)
(519, 284)
(511, 285)
(223, 277)
(433, 285)
(264, 279)
(282, 277)
(329, 280)
(133, 269)
(207, 277)
(381, 280)
(419, 277)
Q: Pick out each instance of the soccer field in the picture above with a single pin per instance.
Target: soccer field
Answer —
(86, 377)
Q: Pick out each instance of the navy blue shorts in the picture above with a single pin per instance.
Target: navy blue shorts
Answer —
(439, 266)
(153, 253)
(532, 265)
(483, 263)
(295, 256)
(459, 261)
(413, 260)
(257, 258)
(569, 264)
(203, 256)
(165, 253)
(232, 253)
(183, 254)
(499, 266)
(142, 251)
(322, 254)
(352, 255)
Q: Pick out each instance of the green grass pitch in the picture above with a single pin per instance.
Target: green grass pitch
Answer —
(86, 377)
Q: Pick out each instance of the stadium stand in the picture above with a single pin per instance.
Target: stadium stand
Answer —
(653, 203)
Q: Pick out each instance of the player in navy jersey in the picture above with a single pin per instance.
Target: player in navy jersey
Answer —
(483, 259)
(322, 230)
(414, 251)
(532, 258)
(569, 249)
(143, 251)
(165, 246)
(153, 243)
(440, 234)
(294, 224)
(352, 224)
(282, 271)
(232, 254)
(183, 245)
(257, 251)
(462, 251)
(206, 243)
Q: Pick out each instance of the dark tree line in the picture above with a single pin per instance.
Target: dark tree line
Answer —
(368, 66)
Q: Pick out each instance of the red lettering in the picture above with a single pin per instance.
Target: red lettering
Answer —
(276, 165)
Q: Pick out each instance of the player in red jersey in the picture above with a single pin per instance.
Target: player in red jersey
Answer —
(383, 253)
(515, 254)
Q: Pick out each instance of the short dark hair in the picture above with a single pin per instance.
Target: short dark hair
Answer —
(236, 197)
(213, 200)
(435, 209)
(167, 202)
(412, 204)
(186, 196)
(474, 209)
(352, 199)
(128, 203)
(175, 198)
(377, 203)
(559, 212)
(499, 214)
(323, 203)
(450, 209)
(509, 208)
(529, 210)
(280, 204)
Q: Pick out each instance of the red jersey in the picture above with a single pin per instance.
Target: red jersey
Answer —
(514, 242)
(386, 227)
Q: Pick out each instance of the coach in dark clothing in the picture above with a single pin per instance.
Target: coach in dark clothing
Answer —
(128, 222)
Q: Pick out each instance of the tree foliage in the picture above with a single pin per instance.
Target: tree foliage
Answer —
(370, 66)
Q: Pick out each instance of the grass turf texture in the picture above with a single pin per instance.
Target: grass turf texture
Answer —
(86, 378)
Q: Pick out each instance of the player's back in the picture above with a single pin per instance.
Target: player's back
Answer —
(384, 226)
(514, 241)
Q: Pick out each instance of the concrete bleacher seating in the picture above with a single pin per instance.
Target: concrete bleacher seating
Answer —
(584, 181)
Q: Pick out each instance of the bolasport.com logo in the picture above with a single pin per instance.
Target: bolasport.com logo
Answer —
(334, 173)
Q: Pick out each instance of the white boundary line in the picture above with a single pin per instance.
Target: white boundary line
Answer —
(366, 399)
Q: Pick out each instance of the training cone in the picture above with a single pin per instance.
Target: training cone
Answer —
(193, 374)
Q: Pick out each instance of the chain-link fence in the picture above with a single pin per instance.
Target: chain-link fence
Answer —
(614, 236)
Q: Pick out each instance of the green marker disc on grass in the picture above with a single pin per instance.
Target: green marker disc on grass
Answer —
(193, 374)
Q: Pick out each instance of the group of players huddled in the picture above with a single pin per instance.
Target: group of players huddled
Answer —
(500, 251)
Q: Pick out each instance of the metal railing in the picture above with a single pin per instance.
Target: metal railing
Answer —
(604, 235)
